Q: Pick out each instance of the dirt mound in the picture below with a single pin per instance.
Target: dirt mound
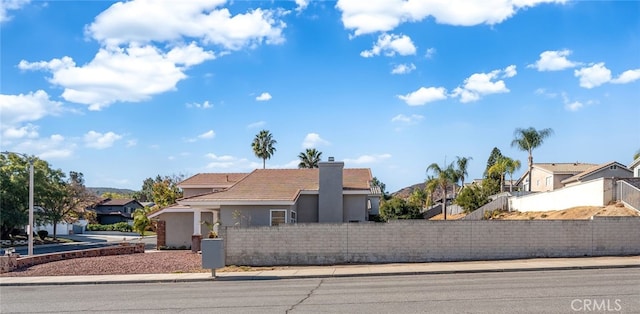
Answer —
(580, 212)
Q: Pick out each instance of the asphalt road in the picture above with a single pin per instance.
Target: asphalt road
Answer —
(569, 291)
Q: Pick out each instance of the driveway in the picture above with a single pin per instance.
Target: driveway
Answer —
(86, 241)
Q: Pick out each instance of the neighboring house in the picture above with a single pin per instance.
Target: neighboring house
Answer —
(110, 211)
(611, 169)
(635, 167)
(270, 197)
(549, 176)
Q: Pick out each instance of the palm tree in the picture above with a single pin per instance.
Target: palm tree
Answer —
(444, 176)
(462, 168)
(636, 155)
(513, 165)
(309, 158)
(529, 139)
(263, 146)
(430, 187)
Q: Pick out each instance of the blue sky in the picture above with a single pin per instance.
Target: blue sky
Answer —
(122, 91)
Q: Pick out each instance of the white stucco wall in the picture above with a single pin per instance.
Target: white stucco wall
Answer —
(597, 192)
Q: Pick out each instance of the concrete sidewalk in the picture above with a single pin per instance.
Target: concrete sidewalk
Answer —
(343, 271)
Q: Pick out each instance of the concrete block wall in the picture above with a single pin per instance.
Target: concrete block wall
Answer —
(425, 241)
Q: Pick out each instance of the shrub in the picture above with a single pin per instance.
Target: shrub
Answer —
(120, 226)
(43, 234)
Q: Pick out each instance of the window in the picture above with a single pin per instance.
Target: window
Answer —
(294, 217)
(278, 217)
(547, 181)
(538, 182)
(614, 167)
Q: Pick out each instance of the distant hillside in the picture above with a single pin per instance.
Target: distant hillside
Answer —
(404, 193)
(100, 191)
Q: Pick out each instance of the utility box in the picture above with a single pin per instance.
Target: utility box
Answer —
(212, 254)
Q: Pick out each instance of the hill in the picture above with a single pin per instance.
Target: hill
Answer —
(404, 193)
(101, 190)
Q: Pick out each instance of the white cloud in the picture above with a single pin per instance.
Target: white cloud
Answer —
(26, 107)
(168, 21)
(430, 53)
(116, 74)
(301, 5)
(313, 140)
(27, 131)
(424, 95)
(255, 125)
(573, 106)
(230, 163)
(365, 17)
(98, 140)
(264, 97)
(627, 77)
(403, 68)
(412, 119)
(390, 44)
(132, 143)
(207, 135)
(52, 147)
(509, 71)
(367, 159)
(8, 5)
(480, 84)
(594, 75)
(205, 105)
(554, 61)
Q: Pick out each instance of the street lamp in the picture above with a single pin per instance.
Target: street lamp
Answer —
(30, 226)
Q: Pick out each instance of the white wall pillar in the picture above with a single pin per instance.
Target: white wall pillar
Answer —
(197, 217)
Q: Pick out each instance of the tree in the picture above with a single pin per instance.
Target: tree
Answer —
(493, 158)
(263, 146)
(499, 169)
(166, 191)
(636, 155)
(140, 220)
(383, 188)
(444, 176)
(309, 158)
(14, 193)
(527, 140)
(397, 208)
(462, 163)
(418, 198)
(512, 166)
(475, 196)
(146, 193)
(65, 200)
(430, 186)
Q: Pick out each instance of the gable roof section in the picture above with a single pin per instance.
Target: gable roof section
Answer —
(592, 170)
(558, 168)
(281, 185)
(118, 202)
(205, 180)
(634, 163)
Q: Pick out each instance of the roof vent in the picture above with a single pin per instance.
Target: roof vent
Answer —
(331, 159)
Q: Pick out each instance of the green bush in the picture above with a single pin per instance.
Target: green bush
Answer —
(43, 234)
(120, 226)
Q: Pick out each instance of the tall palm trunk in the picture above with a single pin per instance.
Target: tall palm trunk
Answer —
(530, 169)
(444, 201)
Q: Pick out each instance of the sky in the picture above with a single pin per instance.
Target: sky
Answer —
(123, 91)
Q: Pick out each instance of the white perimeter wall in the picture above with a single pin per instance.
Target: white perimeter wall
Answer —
(598, 192)
(424, 241)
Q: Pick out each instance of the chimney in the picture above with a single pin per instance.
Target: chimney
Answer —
(330, 191)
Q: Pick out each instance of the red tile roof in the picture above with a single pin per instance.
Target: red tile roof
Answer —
(213, 179)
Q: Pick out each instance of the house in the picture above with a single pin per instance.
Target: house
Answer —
(611, 169)
(549, 176)
(110, 211)
(270, 197)
(635, 167)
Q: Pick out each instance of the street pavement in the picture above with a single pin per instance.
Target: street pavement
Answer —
(86, 241)
(538, 264)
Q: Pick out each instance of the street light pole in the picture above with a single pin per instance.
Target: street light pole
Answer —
(30, 251)
(30, 226)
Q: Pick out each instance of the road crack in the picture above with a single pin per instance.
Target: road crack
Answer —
(289, 310)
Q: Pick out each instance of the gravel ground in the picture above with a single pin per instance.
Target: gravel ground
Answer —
(161, 262)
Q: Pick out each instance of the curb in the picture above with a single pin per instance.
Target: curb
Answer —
(353, 275)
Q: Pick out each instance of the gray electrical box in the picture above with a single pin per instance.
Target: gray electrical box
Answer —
(212, 253)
